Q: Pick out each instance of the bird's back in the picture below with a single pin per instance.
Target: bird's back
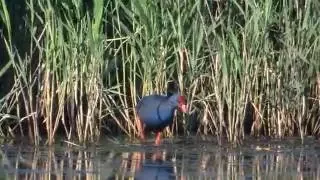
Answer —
(155, 111)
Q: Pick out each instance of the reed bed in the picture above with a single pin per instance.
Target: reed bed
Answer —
(78, 68)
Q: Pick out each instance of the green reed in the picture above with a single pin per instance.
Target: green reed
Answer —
(239, 63)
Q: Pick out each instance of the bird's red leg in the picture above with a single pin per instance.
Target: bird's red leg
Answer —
(158, 138)
(140, 128)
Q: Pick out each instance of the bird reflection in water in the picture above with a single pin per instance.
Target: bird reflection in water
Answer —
(149, 166)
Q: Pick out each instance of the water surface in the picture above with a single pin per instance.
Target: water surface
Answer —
(184, 158)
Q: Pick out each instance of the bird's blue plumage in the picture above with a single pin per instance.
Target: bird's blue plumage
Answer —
(157, 111)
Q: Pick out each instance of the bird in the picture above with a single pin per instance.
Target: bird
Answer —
(155, 112)
(160, 166)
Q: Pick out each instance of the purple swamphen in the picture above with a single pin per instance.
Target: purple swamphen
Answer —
(155, 112)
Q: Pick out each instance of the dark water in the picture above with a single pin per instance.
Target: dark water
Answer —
(192, 158)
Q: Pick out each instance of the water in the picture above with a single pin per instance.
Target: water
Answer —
(188, 158)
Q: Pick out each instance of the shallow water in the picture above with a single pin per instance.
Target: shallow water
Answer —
(189, 158)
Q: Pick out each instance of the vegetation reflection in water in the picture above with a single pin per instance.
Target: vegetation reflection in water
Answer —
(184, 159)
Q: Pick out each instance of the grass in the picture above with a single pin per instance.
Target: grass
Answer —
(246, 67)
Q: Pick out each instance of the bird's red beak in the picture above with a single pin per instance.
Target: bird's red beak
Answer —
(183, 108)
(182, 104)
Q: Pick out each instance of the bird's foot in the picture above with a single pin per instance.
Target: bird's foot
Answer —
(142, 136)
(158, 139)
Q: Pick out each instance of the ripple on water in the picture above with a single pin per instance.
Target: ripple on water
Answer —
(189, 158)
